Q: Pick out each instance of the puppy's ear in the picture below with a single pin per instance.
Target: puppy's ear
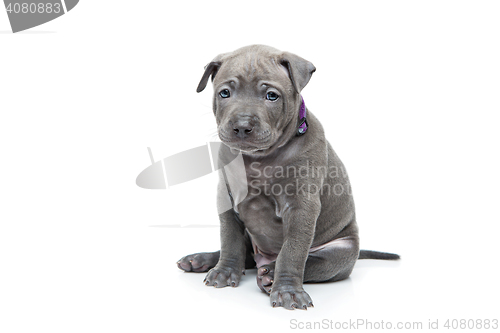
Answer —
(210, 69)
(299, 69)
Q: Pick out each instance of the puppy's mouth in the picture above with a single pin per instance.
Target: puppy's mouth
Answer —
(249, 149)
(257, 144)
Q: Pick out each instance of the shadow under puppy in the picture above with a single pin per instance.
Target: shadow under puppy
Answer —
(295, 219)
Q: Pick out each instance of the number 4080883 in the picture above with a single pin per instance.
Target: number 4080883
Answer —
(32, 8)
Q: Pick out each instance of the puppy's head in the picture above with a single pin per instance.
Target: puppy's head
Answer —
(257, 96)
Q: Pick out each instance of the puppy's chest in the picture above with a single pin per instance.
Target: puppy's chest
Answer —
(261, 215)
(260, 209)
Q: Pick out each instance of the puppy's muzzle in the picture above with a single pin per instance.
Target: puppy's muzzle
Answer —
(246, 132)
(243, 127)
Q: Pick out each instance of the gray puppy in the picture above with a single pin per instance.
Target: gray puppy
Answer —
(297, 222)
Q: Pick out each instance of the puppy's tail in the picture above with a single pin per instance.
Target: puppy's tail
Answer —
(365, 254)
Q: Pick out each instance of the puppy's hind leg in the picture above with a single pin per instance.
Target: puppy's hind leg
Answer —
(203, 262)
(330, 262)
(199, 262)
(333, 261)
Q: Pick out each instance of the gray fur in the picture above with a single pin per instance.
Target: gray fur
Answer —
(303, 234)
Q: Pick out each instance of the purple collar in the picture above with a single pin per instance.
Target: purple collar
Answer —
(303, 121)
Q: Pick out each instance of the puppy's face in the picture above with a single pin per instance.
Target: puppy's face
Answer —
(251, 103)
(255, 100)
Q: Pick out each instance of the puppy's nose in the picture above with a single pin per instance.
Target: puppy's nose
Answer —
(242, 128)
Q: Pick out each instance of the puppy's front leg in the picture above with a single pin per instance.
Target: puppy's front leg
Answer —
(231, 263)
(299, 224)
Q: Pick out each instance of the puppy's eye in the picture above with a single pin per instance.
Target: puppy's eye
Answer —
(225, 93)
(272, 96)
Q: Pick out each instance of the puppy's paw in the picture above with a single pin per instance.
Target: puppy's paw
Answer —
(265, 277)
(221, 277)
(290, 298)
(199, 262)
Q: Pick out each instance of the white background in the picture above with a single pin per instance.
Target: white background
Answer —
(408, 93)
